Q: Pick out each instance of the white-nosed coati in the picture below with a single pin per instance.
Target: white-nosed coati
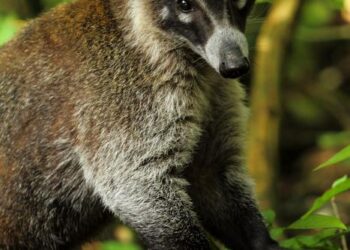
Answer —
(121, 107)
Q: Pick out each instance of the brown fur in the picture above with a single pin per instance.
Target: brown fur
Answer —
(42, 75)
(98, 112)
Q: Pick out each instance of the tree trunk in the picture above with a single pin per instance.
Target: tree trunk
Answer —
(272, 44)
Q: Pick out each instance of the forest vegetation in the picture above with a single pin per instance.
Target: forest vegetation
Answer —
(299, 133)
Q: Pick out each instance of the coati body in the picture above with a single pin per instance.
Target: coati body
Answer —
(107, 107)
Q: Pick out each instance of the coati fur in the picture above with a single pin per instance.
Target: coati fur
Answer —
(107, 110)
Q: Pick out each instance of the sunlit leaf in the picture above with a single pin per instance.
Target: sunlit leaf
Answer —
(315, 241)
(276, 233)
(340, 186)
(316, 221)
(119, 246)
(337, 158)
(8, 28)
(270, 216)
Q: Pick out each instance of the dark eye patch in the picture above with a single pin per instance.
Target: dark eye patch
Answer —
(196, 32)
(201, 28)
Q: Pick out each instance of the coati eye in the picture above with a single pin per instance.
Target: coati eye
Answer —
(185, 5)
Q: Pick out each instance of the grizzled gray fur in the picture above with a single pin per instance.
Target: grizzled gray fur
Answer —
(123, 108)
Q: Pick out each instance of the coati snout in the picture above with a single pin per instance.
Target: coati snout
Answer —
(211, 28)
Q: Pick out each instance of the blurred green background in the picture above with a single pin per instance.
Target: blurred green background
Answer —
(314, 94)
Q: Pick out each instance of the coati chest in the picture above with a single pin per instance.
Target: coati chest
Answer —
(145, 126)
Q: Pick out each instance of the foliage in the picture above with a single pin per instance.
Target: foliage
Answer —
(9, 24)
(326, 230)
(119, 246)
(338, 158)
(311, 83)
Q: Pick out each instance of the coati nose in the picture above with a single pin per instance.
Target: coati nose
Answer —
(235, 67)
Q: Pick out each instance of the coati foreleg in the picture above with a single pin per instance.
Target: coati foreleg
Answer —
(229, 213)
(155, 204)
(220, 187)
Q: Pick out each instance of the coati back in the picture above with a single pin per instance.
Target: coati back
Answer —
(120, 108)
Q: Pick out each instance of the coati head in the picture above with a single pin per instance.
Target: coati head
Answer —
(214, 29)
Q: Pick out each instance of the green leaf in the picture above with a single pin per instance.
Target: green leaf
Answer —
(119, 246)
(315, 241)
(269, 216)
(276, 233)
(8, 28)
(317, 221)
(341, 185)
(337, 158)
(340, 181)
